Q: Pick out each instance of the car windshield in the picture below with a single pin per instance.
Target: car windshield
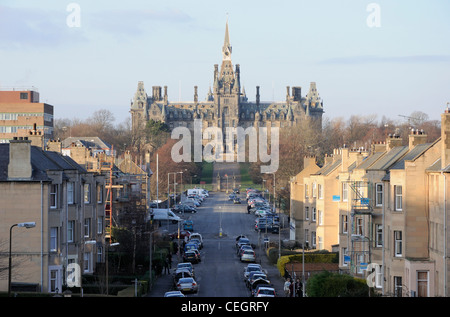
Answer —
(266, 291)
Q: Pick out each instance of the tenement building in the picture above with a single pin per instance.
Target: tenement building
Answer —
(226, 104)
(384, 209)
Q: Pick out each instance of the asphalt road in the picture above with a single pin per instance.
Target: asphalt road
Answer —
(220, 273)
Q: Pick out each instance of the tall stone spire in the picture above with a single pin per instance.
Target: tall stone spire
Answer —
(226, 49)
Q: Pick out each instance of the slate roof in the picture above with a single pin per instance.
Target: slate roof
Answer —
(41, 162)
(389, 158)
(411, 155)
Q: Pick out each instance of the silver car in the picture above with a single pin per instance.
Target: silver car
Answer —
(248, 256)
(187, 285)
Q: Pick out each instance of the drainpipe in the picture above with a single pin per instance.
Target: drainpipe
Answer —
(42, 234)
(445, 234)
(383, 265)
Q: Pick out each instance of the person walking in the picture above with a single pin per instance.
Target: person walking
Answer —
(286, 287)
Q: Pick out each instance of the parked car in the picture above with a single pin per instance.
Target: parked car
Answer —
(252, 267)
(188, 225)
(241, 242)
(181, 273)
(184, 208)
(191, 245)
(174, 294)
(187, 285)
(253, 276)
(243, 248)
(196, 241)
(197, 236)
(186, 265)
(260, 282)
(190, 256)
(183, 234)
(263, 291)
(248, 256)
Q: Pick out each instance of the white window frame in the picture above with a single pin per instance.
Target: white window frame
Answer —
(306, 212)
(87, 260)
(344, 191)
(87, 227)
(344, 254)
(398, 243)
(53, 196)
(344, 224)
(320, 217)
(314, 189)
(53, 239)
(378, 194)
(320, 191)
(87, 193)
(398, 198)
(313, 213)
(70, 193)
(99, 193)
(70, 230)
(378, 235)
(306, 191)
(99, 224)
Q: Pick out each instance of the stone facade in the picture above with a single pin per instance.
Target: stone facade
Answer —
(226, 104)
(389, 207)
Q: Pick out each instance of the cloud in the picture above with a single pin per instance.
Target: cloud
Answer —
(372, 59)
(133, 22)
(22, 28)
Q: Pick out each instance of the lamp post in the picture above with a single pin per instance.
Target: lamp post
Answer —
(108, 245)
(22, 224)
(274, 209)
(168, 187)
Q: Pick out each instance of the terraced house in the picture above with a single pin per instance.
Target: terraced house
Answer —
(66, 204)
(392, 213)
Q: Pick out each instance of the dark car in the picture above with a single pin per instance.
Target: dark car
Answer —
(190, 256)
(270, 227)
(184, 208)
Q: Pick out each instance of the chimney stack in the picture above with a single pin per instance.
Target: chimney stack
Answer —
(19, 167)
(416, 137)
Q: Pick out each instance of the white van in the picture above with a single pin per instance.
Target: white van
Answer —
(163, 214)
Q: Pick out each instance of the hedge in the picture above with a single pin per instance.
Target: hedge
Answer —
(309, 257)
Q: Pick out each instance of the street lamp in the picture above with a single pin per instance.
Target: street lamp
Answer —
(108, 245)
(22, 224)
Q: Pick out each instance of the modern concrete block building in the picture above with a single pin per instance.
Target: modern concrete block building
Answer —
(21, 112)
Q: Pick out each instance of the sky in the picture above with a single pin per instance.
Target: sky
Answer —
(385, 57)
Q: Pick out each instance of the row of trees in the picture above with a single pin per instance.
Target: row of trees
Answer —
(295, 142)
(356, 132)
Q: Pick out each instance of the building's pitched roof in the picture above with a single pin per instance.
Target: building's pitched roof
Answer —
(88, 142)
(389, 158)
(411, 155)
(41, 162)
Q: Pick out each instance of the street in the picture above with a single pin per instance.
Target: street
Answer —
(220, 273)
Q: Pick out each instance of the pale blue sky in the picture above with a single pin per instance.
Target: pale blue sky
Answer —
(395, 69)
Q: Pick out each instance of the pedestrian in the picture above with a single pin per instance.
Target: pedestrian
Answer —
(169, 258)
(291, 289)
(298, 288)
(287, 284)
(166, 266)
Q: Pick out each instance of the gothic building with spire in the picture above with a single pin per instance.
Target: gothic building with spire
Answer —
(226, 104)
